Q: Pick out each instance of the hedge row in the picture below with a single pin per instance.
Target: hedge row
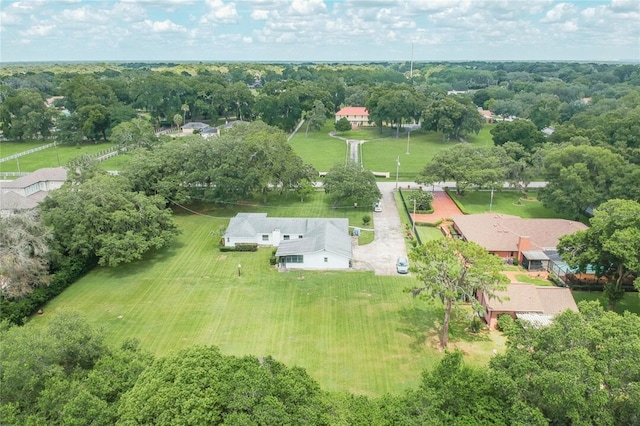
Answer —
(241, 247)
(17, 311)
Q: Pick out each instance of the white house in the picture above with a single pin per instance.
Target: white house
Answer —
(303, 243)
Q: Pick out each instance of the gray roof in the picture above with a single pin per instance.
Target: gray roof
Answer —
(195, 125)
(209, 129)
(325, 237)
(52, 174)
(12, 201)
(535, 255)
(246, 225)
(330, 234)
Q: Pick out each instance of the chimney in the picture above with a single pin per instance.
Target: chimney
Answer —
(524, 244)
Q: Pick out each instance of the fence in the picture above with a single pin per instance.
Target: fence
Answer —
(406, 210)
(30, 151)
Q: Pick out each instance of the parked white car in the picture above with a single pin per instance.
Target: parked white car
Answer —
(402, 265)
(377, 206)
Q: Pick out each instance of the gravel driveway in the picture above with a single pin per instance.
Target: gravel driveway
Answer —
(380, 255)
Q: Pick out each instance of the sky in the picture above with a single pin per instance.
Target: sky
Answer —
(319, 30)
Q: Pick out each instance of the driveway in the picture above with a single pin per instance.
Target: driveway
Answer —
(380, 255)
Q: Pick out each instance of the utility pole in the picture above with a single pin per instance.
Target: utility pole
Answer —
(491, 201)
(408, 138)
(397, 170)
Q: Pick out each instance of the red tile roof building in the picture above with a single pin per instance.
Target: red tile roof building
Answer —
(357, 116)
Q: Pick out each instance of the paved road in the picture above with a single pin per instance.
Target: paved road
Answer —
(380, 255)
(389, 243)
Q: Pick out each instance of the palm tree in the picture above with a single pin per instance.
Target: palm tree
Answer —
(185, 109)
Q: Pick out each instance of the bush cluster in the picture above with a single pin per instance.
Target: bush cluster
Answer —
(241, 247)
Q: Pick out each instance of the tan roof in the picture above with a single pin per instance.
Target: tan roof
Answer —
(498, 232)
(353, 110)
(51, 174)
(12, 201)
(520, 297)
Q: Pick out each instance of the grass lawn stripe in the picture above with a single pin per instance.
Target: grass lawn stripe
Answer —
(352, 331)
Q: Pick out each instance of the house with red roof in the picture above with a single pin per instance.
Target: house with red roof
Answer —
(357, 116)
(536, 305)
(531, 241)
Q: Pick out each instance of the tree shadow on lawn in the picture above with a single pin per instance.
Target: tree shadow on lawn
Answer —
(148, 260)
(424, 327)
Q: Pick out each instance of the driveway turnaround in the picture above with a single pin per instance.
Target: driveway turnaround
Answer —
(389, 244)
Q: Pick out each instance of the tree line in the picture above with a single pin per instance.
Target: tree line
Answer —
(97, 100)
(582, 369)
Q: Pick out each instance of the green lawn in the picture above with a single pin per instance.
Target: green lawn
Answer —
(381, 150)
(428, 233)
(352, 331)
(505, 202)
(524, 278)
(10, 148)
(319, 149)
(50, 157)
(630, 302)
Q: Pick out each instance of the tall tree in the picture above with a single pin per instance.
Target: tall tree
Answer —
(454, 270)
(137, 132)
(522, 132)
(611, 246)
(468, 166)
(578, 177)
(201, 386)
(453, 116)
(316, 117)
(102, 218)
(23, 114)
(581, 369)
(24, 248)
(350, 183)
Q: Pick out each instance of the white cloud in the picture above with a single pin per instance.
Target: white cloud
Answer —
(220, 12)
(38, 31)
(307, 7)
(165, 26)
(559, 13)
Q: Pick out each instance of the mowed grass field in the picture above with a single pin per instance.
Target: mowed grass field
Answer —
(47, 157)
(505, 202)
(352, 331)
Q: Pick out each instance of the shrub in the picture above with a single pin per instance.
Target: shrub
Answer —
(423, 200)
(505, 322)
(241, 247)
(366, 219)
(343, 125)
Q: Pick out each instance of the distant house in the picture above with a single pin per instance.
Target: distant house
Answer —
(27, 191)
(527, 240)
(548, 131)
(303, 243)
(231, 124)
(357, 116)
(486, 114)
(193, 126)
(534, 304)
(209, 132)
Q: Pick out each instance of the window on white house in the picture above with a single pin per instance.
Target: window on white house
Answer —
(294, 258)
(326, 260)
(265, 237)
(299, 236)
(286, 237)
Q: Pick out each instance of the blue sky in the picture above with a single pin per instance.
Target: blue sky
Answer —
(318, 30)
